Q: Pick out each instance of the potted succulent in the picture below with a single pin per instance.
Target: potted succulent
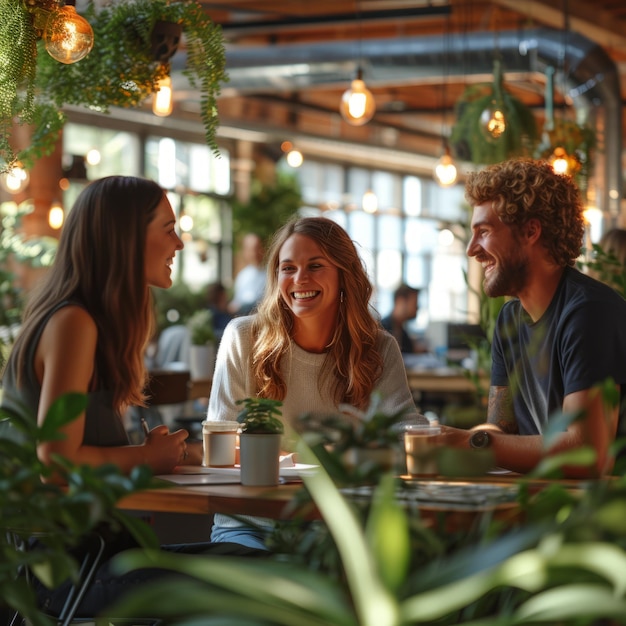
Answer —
(202, 345)
(261, 435)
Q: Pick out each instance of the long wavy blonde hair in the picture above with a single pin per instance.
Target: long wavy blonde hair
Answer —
(100, 264)
(353, 360)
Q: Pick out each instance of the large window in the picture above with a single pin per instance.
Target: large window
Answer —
(197, 181)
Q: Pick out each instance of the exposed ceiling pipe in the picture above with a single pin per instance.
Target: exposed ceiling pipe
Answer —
(248, 27)
(591, 78)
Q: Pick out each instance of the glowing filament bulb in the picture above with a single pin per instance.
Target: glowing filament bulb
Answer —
(162, 101)
(68, 37)
(357, 104)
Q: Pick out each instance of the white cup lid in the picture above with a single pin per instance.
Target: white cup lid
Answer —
(219, 426)
(423, 429)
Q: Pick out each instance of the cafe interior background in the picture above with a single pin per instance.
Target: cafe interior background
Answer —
(539, 78)
(289, 63)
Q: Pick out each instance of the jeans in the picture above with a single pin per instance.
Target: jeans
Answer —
(242, 535)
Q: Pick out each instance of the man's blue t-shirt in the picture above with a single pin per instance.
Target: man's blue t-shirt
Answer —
(579, 341)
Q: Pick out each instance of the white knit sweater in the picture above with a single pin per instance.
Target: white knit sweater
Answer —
(233, 380)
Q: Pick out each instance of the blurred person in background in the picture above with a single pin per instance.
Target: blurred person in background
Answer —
(250, 282)
(405, 307)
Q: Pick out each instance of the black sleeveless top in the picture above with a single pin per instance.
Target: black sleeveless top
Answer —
(103, 426)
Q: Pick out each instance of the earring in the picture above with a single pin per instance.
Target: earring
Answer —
(341, 296)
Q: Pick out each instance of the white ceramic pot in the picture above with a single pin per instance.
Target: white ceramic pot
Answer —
(202, 362)
(259, 459)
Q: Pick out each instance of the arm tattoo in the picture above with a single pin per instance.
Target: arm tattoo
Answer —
(500, 410)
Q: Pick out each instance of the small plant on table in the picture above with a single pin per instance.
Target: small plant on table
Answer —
(260, 416)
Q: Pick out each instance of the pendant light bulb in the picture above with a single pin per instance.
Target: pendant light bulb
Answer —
(294, 158)
(560, 161)
(357, 105)
(163, 100)
(492, 122)
(445, 172)
(56, 215)
(68, 37)
(15, 180)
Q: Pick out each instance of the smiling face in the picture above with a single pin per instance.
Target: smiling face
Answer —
(500, 252)
(307, 279)
(162, 242)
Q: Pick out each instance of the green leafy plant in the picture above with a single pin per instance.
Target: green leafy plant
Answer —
(59, 516)
(15, 246)
(605, 266)
(121, 69)
(260, 416)
(269, 207)
(352, 428)
(356, 446)
(468, 140)
(200, 327)
(562, 566)
(177, 304)
(577, 141)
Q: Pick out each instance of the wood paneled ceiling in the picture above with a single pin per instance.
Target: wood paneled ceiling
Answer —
(290, 60)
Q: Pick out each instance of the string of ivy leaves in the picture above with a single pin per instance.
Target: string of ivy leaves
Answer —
(120, 70)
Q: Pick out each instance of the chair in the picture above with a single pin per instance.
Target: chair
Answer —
(88, 567)
(168, 393)
(172, 346)
(94, 552)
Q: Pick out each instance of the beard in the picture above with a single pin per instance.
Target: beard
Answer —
(507, 278)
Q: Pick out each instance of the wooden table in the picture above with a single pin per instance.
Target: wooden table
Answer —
(277, 502)
(233, 499)
(444, 380)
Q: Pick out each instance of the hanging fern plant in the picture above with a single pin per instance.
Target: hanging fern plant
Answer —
(18, 68)
(577, 143)
(121, 69)
(514, 135)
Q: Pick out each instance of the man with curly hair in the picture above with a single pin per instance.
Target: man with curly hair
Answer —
(562, 334)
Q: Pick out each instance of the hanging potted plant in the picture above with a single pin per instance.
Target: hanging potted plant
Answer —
(260, 440)
(491, 124)
(573, 143)
(124, 67)
(202, 345)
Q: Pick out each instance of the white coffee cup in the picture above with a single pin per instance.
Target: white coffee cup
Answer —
(218, 443)
(421, 443)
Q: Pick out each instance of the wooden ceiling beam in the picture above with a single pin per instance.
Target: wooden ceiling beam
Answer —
(583, 17)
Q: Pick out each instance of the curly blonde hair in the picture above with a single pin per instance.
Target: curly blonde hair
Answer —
(524, 189)
(353, 359)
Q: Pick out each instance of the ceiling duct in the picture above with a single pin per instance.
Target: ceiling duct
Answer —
(590, 80)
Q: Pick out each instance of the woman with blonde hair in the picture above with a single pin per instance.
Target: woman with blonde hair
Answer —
(313, 344)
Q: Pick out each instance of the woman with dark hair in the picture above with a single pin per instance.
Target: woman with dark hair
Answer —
(87, 324)
(85, 330)
(313, 344)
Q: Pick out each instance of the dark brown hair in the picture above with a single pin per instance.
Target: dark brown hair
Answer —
(100, 265)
